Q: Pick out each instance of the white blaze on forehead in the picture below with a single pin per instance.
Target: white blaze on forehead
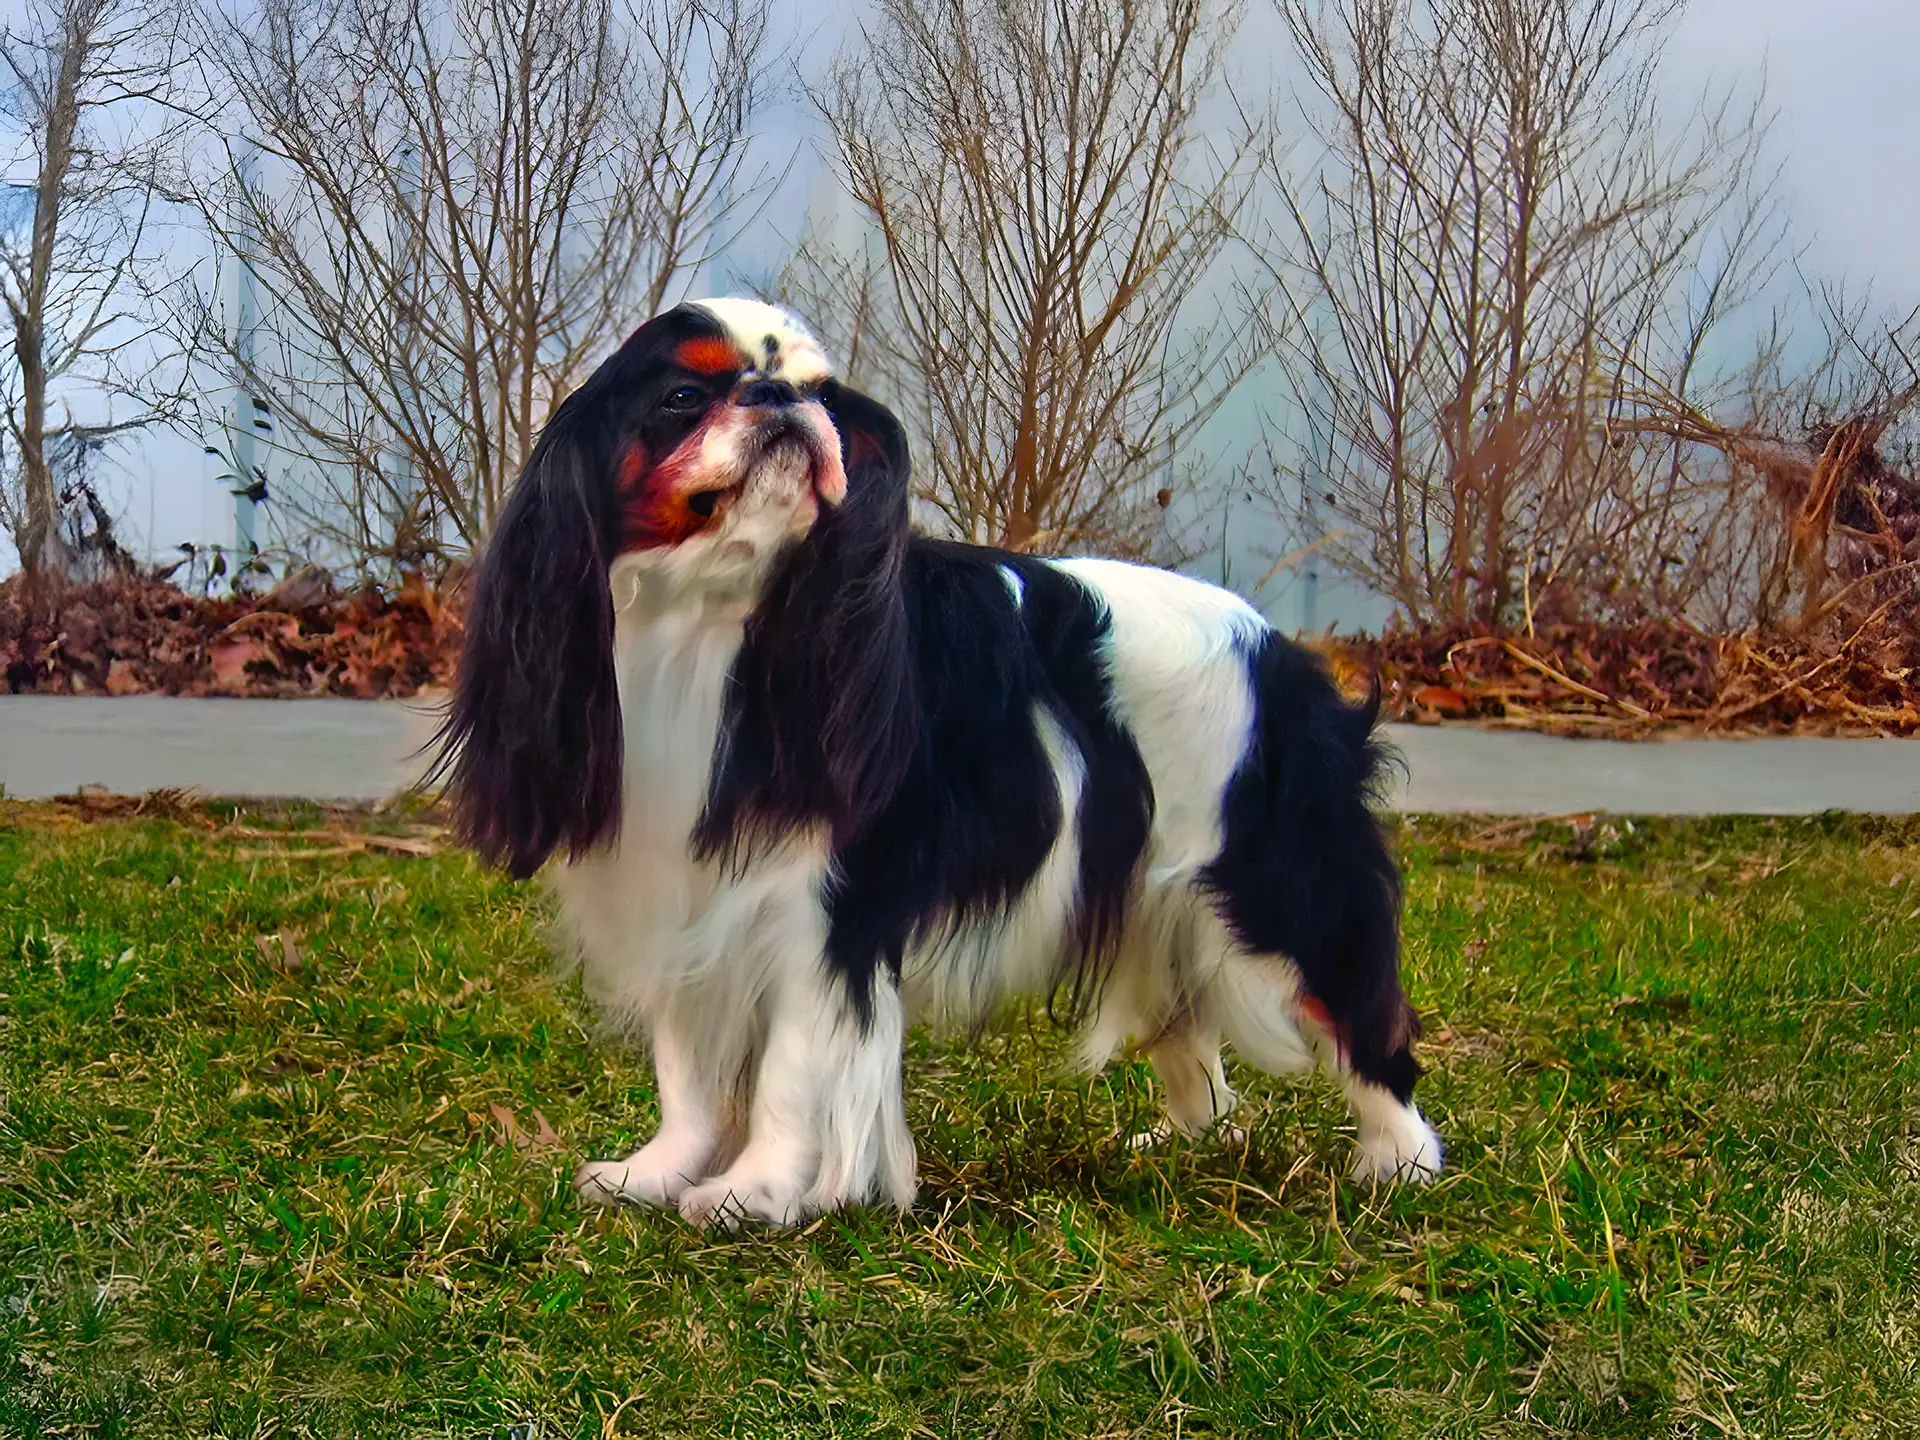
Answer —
(774, 341)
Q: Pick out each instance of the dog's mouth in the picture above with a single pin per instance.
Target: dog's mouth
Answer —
(786, 460)
(793, 439)
(779, 455)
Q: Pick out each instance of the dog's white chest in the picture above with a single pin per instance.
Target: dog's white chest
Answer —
(634, 906)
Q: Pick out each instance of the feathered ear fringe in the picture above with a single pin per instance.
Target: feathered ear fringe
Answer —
(532, 745)
(823, 717)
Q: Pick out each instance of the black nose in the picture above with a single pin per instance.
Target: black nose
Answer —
(768, 392)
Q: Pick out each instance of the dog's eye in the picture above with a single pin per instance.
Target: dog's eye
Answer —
(702, 502)
(686, 397)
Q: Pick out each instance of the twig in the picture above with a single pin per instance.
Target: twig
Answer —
(324, 853)
(1552, 674)
(1528, 822)
(1295, 556)
(1721, 716)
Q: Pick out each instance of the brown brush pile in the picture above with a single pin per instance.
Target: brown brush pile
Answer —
(1626, 681)
(1847, 663)
(145, 636)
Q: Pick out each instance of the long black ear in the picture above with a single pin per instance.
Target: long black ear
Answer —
(870, 725)
(532, 742)
(823, 714)
(873, 446)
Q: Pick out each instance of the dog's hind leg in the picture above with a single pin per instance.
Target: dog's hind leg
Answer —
(1162, 988)
(1194, 1084)
(1309, 889)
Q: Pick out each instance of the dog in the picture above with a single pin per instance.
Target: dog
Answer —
(806, 777)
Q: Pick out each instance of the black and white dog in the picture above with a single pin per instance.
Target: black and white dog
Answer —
(811, 776)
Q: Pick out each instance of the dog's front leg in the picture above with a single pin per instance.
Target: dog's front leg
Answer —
(827, 1126)
(660, 1172)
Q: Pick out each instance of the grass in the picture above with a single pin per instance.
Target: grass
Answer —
(1673, 1065)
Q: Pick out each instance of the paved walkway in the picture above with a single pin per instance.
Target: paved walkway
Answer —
(367, 750)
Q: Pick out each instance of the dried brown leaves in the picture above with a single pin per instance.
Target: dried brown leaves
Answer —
(147, 637)
(1856, 676)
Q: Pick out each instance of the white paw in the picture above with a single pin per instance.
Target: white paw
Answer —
(655, 1174)
(1408, 1153)
(1226, 1135)
(731, 1199)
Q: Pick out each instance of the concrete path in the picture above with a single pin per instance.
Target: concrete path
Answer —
(1513, 772)
(366, 750)
(303, 749)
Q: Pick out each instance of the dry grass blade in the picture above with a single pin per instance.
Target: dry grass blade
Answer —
(326, 852)
(542, 1139)
(281, 950)
(345, 841)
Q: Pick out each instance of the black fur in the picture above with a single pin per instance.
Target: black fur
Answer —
(887, 685)
(821, 723)
(532, 743)
(1304, 870)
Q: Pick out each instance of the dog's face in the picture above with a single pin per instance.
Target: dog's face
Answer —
(713, 446)
(721, 448)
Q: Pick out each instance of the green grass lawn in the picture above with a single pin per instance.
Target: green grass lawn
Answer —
(1673, 1066)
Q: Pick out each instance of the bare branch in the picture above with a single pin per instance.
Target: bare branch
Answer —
(1501, 265)
(455, 209)
(1038, 207)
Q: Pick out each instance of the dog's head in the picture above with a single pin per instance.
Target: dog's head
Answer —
(707, 448)
(719, 448)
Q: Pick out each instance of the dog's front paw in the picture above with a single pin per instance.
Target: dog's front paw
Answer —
(1408, 1153)
(655, 1174)
(729, 1200)
(1225, 1134)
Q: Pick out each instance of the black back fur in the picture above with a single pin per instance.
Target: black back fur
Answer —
(887, 686)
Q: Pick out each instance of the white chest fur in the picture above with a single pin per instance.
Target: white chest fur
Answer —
(643, 913)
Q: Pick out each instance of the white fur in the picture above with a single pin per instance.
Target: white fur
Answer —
(797, 356)
(1016, 587)
(1396, 1143)
(828, 1124)
(1181, 691)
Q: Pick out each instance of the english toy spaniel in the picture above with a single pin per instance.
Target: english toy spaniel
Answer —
(807, 777)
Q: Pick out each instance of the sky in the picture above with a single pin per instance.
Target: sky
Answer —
(1846, 135)
(1840, 76)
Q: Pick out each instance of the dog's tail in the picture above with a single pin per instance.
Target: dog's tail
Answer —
(1304, 871)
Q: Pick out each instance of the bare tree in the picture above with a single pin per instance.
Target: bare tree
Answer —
(448, 209)
(1500, 267)
(1043, 207)
(76, 74)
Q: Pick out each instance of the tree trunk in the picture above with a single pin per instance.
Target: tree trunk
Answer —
(44, 555)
